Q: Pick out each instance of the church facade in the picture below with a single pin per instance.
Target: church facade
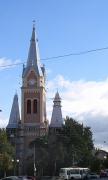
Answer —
(33, 122)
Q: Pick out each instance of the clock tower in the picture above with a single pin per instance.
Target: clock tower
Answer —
(33, 97)
(33, 88)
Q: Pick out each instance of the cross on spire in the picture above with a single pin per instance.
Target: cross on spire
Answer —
(34, 23)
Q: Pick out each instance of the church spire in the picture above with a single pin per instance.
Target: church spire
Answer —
(33, 55)
(14, 115)
(56, 119)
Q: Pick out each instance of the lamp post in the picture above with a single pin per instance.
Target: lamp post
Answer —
(14, 166)
(15, 163)
(34, 161)
(15, 160)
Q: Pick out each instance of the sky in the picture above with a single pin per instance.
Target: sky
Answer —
(63, 27)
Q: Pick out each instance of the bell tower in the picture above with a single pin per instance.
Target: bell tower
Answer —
(33, 121)
(33, 97)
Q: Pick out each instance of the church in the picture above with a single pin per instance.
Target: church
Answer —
(25, 126)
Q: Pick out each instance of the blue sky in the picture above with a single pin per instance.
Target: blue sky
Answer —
(63, 27)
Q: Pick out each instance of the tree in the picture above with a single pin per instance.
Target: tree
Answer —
(40, 148)
(6, 152)
(57, 152)
(63, 147)
(80, 143)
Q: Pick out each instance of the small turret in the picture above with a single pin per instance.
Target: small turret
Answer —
(14, 115)
(56, 119)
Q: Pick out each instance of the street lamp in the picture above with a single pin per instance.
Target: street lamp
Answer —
(34, 161)
(15, 160)
(105, 157)
(15, 163)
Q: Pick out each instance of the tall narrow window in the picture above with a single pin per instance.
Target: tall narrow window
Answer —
(28, 106)
(35, 106)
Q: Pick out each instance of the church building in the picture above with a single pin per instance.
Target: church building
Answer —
(33, 122)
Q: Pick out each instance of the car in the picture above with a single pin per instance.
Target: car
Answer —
(26, 177)
(103, 174)
(10, 178)
(30, 177)
(92, 175)
(46, 178)
(22, 178)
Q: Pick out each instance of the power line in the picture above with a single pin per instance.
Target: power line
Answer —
(77, 54)
(61, 56)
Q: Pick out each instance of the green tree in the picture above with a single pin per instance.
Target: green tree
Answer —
(40, 149)
(6, 152)
(57, 152)
(80, 143)
(70, 145)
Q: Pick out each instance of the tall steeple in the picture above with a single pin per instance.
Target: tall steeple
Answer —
(14, 115)
(33, 56)
(56, 119)
(33, 100)
(33, 106)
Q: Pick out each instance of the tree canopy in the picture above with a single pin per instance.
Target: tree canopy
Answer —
(63, 147)
(6, 152)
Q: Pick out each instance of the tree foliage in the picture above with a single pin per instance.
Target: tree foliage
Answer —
(69, 146)
(6, 152)
(81, 143)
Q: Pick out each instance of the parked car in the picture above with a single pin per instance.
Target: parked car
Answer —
(92, 175)
(22, 178)
(26, 177)
(103, 174)
(10, 178)
(30, 177)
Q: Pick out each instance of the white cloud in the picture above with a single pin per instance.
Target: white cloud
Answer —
(3, 122)
(87, 101)
(7, 63)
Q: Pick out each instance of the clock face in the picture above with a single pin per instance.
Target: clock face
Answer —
(32, 81)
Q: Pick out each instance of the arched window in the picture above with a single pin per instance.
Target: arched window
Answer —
(29, 106)
(35, 106)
